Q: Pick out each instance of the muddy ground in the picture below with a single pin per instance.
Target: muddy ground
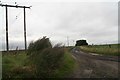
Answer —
(90, 65)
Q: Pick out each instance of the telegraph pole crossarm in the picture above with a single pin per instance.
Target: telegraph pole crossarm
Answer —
(14, 6)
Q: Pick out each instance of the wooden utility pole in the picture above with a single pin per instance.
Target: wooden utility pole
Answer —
(16, 6)
(7, 45)
(25, 30)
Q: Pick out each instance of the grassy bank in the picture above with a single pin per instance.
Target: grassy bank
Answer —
(14, 66)
(67, 66)
(41, 60)
(111, 49)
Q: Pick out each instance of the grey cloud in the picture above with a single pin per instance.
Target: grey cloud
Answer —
(94, 21)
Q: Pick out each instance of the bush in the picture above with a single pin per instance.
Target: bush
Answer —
(39, 45)
(45, 57)
(48, 61)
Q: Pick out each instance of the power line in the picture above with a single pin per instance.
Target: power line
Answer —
(16, 17)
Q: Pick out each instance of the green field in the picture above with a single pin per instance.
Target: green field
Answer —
(18, 66)
(112, 50)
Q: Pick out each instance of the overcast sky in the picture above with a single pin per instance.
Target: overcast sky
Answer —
(95, 21)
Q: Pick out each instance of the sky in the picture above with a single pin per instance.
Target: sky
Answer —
(62, 21)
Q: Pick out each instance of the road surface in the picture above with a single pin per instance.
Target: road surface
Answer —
(94, 66)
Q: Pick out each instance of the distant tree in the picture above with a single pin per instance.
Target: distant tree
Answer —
(81, 42)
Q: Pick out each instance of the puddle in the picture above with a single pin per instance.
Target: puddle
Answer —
(95, 54)
(88, 73)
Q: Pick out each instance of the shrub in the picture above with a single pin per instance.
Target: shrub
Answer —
(48, 61)
(45, 57)
(39, 45)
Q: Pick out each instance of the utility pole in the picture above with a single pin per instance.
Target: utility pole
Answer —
(7, 45)
(15, 6)
(25, 30)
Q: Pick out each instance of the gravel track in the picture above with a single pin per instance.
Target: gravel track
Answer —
(94, 66)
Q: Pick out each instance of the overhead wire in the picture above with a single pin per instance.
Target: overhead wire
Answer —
(15, 18)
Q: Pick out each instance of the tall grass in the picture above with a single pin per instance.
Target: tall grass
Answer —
(17, 66)
(67, 66)
(111, 49)
(12, 65)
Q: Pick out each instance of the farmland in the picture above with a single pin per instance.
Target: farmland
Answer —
(111, 49)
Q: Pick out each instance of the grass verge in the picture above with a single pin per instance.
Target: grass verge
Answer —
(67, 66)
(112, 50)
(14, 66)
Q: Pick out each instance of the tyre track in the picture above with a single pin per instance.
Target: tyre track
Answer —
(94, 66)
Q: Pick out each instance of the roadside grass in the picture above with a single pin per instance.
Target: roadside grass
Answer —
(12, 65)
(41, 60)
(18, 66)
(50, 61)
(54, 65)
(67, 67)
(112, 50)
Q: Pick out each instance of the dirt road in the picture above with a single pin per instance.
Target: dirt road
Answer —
(94, 66)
